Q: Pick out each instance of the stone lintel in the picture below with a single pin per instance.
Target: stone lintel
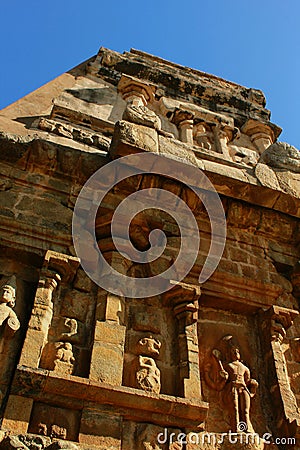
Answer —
(134, 404)
(229, 291)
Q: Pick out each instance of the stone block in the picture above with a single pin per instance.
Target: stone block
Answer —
(103, 430)
(17, 414)
(110, 333)
(177, 150)
(107, 363)
(132, 138)
(32, 348)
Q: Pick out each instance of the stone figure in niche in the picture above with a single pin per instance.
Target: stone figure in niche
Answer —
(147, 374)
(72, 326)
(58, 432)
(202, 136)
(8, 317)
(64, 361)
(232, 378)
(42, 429)
(54, 431)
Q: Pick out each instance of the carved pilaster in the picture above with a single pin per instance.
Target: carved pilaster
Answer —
(109, 337)
(56, 267)
(184, 299)
(274, 324)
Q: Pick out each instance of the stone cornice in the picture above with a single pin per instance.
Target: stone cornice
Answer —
(75, 392)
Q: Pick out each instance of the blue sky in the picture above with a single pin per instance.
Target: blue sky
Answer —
(254, 43)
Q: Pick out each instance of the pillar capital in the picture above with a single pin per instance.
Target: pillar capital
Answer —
(135, 91)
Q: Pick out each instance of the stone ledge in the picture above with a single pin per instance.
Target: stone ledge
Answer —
(133, 404)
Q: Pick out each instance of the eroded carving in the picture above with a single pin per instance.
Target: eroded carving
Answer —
(141, 115)
(77, 134)
(147, 374)
(72, 326)
(64, 362)
(227, 373)
(7, 303)
(281, 155)
(138, 94)
(203, 136)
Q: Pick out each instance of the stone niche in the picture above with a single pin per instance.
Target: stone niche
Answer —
(219, 331)
(59, 423)
(69, 339)
(151, 325)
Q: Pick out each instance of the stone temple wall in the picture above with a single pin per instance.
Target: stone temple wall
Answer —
(86, 365)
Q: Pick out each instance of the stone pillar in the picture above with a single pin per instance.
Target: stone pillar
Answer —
(40, 319)
(109, 340)
(274, 324)
(184, 299)
(56, 267)
(109, 337)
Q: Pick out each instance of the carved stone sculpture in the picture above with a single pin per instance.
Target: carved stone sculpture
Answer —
(58, 432)
(141, 115)
(281, 155)
(7, 302)
(233, 379)
(202, 136)
(147, 374)
(72, 326)
(64, 361)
